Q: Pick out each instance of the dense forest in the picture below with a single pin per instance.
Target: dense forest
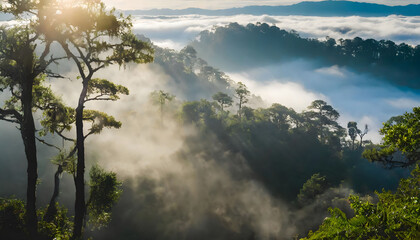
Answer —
(237, 47)
(205, 159)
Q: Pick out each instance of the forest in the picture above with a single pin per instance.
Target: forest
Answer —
(204, 159)
(395, 63)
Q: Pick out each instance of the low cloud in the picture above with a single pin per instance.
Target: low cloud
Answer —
(221, 4)
(357, 97)
(183, 29)
(287, 93)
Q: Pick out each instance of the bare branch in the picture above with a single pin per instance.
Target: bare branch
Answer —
(48, 144)
(64, 137)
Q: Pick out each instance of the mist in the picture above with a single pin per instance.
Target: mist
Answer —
(180, 182)
(177, 31)
(358, 97)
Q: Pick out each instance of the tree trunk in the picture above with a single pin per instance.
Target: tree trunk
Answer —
(28, 137)
(52, 209)
(79, 179)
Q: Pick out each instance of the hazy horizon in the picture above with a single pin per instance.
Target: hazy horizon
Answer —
(221, 4)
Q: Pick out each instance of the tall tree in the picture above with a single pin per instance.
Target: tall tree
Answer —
(362, 134)
(353, 131)
(324, 119)
(93, 38)
(242, 94)
(161, 97)
(21, 73)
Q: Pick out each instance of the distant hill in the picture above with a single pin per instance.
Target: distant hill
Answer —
(325, 8)
(237, 48)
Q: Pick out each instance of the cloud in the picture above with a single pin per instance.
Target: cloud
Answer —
(333, 71)
(221, 4)
(183, 29)
(357, 97)
(287, 93)
(403, 103)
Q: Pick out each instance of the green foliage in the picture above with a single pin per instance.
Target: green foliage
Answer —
(103, 89)
(12, 212)
(223, 99)
(401, 134)
(12, 222)
(99, 120)
(105, 190)
(394, 216)
(242, 94)
(316, 185)
(353, 130)
(66, 161)
(160, 97)
(237, 47)
(57, 117)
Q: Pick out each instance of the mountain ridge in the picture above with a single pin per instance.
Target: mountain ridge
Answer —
(307, 8)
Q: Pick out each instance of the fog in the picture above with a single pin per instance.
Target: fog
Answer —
(177, 31)
(178, 188)
(357, 97)
(298, 83)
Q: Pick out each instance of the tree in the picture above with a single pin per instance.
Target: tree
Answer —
(223, 99)
(93, 38)
(401, 134)
(242, 94)
(105, 190)
(353, 131)
(394, 216)
(362, 134)
(279, 115)
(316, 185)
(22, 73)
(324, 119)
(160, 97)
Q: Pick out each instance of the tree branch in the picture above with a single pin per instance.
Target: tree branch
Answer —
(6, 112)
(48, 144)
(64, 137)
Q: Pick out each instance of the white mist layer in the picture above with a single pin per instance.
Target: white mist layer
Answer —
(176, 31)
(357, 97)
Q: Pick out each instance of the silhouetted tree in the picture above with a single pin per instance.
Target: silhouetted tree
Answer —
(22, 73)
(223, 99)
(242, 94)
(353, 131)
(93, 38)
(161, 97)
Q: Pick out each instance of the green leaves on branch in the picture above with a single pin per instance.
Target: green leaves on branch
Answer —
(105, 190)
(99, 120)
(102, 89)
(401, 134)
(223, 99)
(394, 216)
(316, 185)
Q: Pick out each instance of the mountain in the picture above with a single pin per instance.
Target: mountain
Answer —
(237, 48)
(325, 8)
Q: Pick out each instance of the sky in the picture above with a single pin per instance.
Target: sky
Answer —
(221, 4)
